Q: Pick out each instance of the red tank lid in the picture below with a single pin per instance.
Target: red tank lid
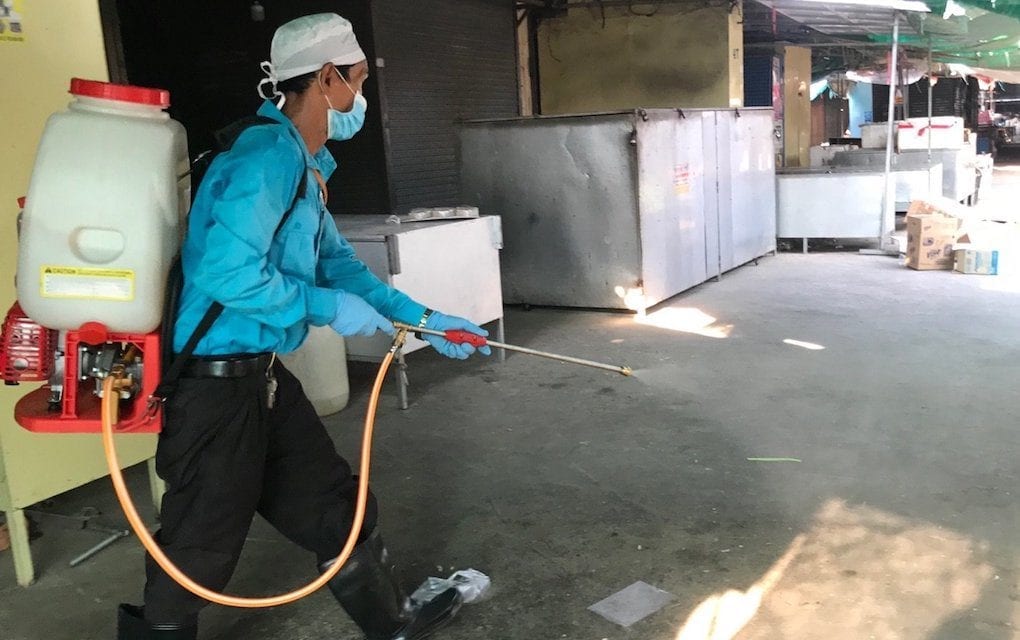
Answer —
(93, 333)
(122, 92)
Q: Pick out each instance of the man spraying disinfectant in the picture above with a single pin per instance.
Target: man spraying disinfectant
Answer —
(123, 350)
(239, 435)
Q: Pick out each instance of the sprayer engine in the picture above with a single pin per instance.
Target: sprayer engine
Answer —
(74, 364)
(97, 362)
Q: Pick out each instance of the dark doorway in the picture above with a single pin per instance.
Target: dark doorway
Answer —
(208, 53)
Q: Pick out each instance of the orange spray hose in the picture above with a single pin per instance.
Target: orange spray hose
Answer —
(109, 420)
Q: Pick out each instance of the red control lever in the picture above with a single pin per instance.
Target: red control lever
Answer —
(458, 336)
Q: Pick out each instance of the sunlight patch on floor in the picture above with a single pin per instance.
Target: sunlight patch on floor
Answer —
(858, 572)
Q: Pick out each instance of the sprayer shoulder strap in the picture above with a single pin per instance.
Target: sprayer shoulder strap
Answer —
(169, 381)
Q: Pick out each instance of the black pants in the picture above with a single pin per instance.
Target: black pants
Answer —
(225, 456)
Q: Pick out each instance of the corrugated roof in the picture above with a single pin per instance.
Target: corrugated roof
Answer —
(849, 20)
(988, 36)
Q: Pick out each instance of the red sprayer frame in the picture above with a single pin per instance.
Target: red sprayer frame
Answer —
(80, 407)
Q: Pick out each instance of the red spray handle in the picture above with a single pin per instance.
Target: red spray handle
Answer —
(458, 336)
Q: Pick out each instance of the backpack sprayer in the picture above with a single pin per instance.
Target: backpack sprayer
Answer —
(94, 259)
(101, 224)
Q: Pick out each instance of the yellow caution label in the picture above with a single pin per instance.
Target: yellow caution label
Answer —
(12, 21)
(87, 283)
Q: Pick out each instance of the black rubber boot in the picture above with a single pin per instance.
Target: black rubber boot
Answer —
(131, 625)
(369, 590)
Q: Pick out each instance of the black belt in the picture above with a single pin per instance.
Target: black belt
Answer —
(229, 366)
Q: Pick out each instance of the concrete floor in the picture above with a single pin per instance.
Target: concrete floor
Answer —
(567, 484)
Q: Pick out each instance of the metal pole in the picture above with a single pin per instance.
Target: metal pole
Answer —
(905, 91)
(888, 200)
(113, 537)
(991, 99)
(931, 187)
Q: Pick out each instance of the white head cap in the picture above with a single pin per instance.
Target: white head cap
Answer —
(305, 44)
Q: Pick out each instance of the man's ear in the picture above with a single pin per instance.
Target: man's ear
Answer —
(327, 75)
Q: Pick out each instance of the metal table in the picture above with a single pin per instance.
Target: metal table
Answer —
(35, 467)
(958, 177)
(846, 202)
(450, 265)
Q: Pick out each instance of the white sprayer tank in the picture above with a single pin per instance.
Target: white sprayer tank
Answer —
(105, 210)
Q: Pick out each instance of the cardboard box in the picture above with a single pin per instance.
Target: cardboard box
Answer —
(973, 260)
(938, 204)
(930, 240)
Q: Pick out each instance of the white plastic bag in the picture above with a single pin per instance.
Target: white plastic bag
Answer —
(472, 584)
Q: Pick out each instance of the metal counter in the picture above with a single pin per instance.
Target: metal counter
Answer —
(823, 204)
(449, 265)
(845, 202)
(959, 173)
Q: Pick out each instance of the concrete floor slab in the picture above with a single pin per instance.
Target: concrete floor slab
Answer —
(566, 484)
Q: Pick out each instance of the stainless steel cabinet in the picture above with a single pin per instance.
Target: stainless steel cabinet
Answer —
(623, 209)
(746, 184)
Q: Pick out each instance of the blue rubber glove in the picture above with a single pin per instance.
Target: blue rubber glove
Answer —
(442, 322)
(355, 317)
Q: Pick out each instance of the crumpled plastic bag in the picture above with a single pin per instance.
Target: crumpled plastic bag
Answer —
(472, 584)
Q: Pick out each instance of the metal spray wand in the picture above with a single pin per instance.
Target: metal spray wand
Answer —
(466, 337)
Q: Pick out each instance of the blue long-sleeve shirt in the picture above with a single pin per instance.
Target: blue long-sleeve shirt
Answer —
(271, 287)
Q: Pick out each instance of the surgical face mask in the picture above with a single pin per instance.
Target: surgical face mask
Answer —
(344, 125)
